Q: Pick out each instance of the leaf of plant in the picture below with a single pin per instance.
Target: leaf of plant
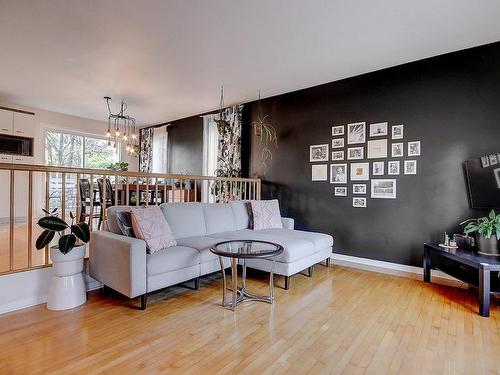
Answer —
(71, 215)
(81, 230)
(44, 210)
(54, 210)
(492, 215)
(66, 243)
(52, 223)
(44, 239)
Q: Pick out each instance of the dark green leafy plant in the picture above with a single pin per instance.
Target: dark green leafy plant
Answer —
(486, 226)
(52, 224)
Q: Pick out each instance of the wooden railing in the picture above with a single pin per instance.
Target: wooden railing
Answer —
(27, 189)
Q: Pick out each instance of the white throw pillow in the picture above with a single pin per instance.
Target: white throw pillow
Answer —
(266, 214)
(150, 225)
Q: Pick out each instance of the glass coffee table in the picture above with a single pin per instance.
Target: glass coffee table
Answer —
(243, 250)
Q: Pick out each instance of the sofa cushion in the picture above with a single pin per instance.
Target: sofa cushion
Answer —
(111, 219)
(171, 259)
(266, 214)
(320, 240)
(185, 219)
(294, 248)
(240, 212)
(124, 221)
(150, 225)
(218, 217)
(203, 245)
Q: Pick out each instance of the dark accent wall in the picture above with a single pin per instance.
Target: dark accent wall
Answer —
(451, 103)
(185, 143)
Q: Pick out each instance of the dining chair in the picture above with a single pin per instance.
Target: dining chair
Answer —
(110, 198)
(87, 199)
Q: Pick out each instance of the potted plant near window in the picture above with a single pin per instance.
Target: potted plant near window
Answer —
(487, 231)
(68, 288)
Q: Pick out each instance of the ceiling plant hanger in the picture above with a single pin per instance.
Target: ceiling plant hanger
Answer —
(268, 137)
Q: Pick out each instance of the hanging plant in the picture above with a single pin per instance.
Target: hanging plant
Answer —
(268, 137)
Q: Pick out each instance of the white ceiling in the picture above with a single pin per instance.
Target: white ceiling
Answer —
(168, 59)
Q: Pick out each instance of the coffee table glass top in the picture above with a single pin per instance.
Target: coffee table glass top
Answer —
(247, 249)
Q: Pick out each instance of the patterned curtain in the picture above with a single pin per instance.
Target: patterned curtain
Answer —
(146, 153)
(229, 153)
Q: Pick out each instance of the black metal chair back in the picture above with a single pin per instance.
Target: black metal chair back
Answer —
(110, 194)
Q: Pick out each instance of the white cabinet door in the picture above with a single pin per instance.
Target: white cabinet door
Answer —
(24, 125)
(5, 158)
(17, 159)
(6, 121)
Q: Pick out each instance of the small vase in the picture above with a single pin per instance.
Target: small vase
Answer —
(487, 246)
(67, 289)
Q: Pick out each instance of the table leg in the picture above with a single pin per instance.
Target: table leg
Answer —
(427, 265)
(234, 277)
(271, 282)
(224, 282)
(484, 292)
(244, 274)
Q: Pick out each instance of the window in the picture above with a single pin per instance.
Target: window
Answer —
(210, 151)
(160, 142)
(75, 150)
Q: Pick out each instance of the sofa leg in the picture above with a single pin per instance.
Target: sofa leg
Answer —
(197, 283)
(144, 300)
(287, 282)
(328, 262)
(310, 271)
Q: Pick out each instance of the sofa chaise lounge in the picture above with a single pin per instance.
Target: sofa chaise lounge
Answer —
(122, 263)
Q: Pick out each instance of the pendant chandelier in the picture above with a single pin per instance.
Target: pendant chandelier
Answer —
(122, 127)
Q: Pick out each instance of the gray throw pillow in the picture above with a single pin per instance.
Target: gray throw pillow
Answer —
(124, 219)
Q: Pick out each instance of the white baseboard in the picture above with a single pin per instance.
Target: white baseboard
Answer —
(395, 269)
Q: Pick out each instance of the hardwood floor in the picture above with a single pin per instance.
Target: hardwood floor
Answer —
(341, 321)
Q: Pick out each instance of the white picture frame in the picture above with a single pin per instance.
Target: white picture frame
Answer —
(485, 161)
(493, 159)
(496, 172)
(319, 172)
(355, 153)
(378, 168)
(318, 153)
(360, 171)
(378, 129)
(338, 143)
(397, 150)
(377, 149)
(414, 148)
(359, 202)
(410, 167)
(383, 188)
(338, 173)
(359, 188)
(337, 155)
(393, 167)
(338, 130)
(397, 132)
(340, 191)
(356, 133)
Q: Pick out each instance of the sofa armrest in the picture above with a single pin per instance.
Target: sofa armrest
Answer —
(288, 223)
(118, 262)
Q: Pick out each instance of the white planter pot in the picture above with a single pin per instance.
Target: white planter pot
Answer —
(67, 289)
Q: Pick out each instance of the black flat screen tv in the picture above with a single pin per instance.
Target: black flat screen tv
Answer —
(483, 184)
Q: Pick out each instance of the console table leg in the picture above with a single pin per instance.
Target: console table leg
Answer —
(484, 293)
(234, 280)
(224, 283)
(427, 265)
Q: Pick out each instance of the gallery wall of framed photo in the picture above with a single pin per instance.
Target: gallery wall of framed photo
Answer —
(365, 159)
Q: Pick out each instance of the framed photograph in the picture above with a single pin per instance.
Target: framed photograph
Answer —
(340, 191)
(397, 150)
(319, 172)
(359, 188)
(414, 148)
(393, 167)
(397, 132)
(383, 188)
(377, 149)
(338, 173)
(337, 130)
(318, 153)
(355, 153)
(496, 172)
(485, 161)
(410, 167)
(493, 159)
(359, 202)
(360, 171)
(356, 133)
(378, 130)
(337, 155)
(338, 143)
(378, 168)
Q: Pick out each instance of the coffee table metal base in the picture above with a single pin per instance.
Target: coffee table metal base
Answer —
(239, 294)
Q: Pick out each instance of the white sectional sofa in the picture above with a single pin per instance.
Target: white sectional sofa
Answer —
(122, 263)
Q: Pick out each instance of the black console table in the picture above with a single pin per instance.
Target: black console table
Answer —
(471, 268)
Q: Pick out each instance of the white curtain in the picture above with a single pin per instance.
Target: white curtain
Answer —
(160, 149)
(210, 151)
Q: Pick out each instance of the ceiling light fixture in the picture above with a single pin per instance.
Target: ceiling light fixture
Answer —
(119, 124)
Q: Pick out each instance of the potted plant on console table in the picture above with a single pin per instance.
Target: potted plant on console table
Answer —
(68, 288)
(488, 233)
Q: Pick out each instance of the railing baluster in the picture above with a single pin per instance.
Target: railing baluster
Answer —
(11, 221)
(47, 207)
(30, 218)
(92, 197)
(127, 192)
(137, 196)
(63, 196)
(117, 181)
